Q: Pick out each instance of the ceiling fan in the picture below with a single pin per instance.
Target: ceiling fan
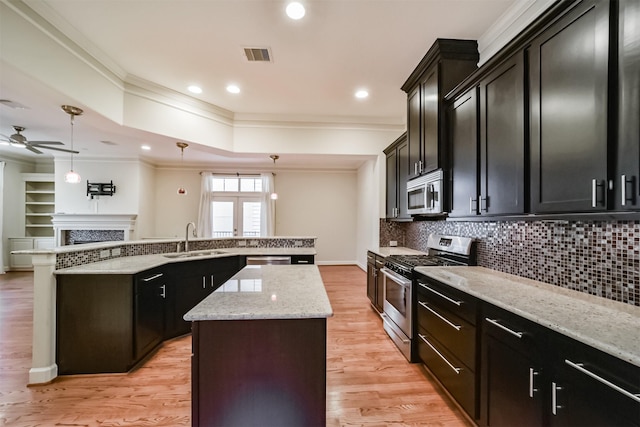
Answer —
(19, 140)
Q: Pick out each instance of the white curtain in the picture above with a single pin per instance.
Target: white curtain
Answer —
(268, 205)
(1, 217)
(205, 226)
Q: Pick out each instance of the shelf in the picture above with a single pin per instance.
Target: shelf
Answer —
(39, 204)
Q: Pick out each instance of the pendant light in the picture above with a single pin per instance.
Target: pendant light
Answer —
(274, 157)
(182, 145)
(72, 177)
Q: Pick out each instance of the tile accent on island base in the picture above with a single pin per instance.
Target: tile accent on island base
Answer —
(596, 257)
(80, 257)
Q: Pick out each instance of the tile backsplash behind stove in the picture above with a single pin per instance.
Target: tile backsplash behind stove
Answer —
(596, 257)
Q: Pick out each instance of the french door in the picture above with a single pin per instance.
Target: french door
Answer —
(236, 216)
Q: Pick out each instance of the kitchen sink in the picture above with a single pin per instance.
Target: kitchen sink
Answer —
(193, 254)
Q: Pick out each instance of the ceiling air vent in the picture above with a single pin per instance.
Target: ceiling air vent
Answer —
(257, 54)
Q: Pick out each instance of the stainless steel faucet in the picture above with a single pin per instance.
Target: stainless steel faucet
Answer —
(186, 235)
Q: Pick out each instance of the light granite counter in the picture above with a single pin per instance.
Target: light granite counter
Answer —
(610, 326)
(139, 263)
(385, 251)
(267, 292)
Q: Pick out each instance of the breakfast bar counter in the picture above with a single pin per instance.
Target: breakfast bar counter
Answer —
(259, 349)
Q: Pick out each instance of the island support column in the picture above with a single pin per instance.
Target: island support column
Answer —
(43, 352)
(259, 372)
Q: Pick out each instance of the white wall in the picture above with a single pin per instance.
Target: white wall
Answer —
(146, 221)
(173, 211)
(370, 207)
(323, 205)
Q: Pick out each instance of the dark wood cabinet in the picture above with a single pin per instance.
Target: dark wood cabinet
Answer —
(447, 339)
(463, 124)
(108, 322)
(259, 372)
(502, 139)
(512, 370)
(445, 65)
(626, 181)
(397, 162)
(191, 282)
(375, 290)
(487, 134)
(303, 259)
(148, 311)
(568, 80)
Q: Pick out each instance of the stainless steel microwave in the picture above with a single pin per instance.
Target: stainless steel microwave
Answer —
(424, 194)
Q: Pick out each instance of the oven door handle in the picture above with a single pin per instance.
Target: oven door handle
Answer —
(396, 277)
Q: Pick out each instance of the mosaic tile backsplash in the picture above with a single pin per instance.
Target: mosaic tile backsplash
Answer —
(597, 257)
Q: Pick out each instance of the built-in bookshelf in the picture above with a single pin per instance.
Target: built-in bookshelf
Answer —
(39, 204)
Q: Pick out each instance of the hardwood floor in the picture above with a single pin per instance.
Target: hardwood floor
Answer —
(369, 383)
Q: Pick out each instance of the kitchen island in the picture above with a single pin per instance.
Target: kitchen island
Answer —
(259, 349)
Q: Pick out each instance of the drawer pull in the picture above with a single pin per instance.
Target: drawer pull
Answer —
(150, 278)
(423, 338)
(451, 300)
(554, 398)
(303, 261)
(440, 316)
(532, 375)
(580, 368)
(504, 328)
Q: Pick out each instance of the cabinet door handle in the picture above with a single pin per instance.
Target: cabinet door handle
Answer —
(424, 338)
(624, 182)
(441, 317)
(472, 204)
(303, 261)
(451, 300)
(484, 203)
(204, 282)
(504, 328)
(415, 168)
(595, 183)
(532, 389)
(420, 166)
(154, 277)
(164, 291)
(580, 368)
(554, 398)
(212, 280)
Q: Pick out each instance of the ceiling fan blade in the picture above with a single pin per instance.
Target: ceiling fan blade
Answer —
(30, 148)
(36, 143)
(57, 149)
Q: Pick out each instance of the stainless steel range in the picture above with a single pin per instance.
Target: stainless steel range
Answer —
(399, 297)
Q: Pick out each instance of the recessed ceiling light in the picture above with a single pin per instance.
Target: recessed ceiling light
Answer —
(145, 147)
(295, 10)
(233, 88)
(361, 94)
(194, 89)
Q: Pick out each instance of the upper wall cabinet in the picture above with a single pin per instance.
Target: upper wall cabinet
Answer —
(396, 175)
(487, 134)
(569, 112)
(445, 65)
(626, 181)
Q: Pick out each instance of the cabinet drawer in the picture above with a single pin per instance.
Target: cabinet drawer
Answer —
(519, 333)
(456, 334)
(448, 298)
(459, 381)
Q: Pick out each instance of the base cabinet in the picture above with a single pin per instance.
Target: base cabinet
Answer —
(375, 288)
(259, 372)
(532, 376)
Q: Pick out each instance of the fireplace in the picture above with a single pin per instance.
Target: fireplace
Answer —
(72, 229)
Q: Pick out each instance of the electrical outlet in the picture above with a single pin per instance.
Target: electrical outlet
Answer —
(253, 243)
(104, 253)
(242, 243)
(115, 252)
(393, 243)
(297, 243)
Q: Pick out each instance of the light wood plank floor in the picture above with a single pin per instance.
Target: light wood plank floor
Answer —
(368, 381)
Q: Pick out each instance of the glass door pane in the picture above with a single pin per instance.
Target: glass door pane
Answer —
(223, 213)
(250, 218)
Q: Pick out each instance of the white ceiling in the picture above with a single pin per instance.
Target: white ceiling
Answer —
(318, 63)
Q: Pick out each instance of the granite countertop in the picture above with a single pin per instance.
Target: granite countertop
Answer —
(385, 251)
(610, 326)
(139, 263)
(267, 292)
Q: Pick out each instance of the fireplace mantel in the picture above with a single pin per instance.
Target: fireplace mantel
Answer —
(66, 222)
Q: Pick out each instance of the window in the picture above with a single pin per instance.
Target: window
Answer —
(236, 207)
